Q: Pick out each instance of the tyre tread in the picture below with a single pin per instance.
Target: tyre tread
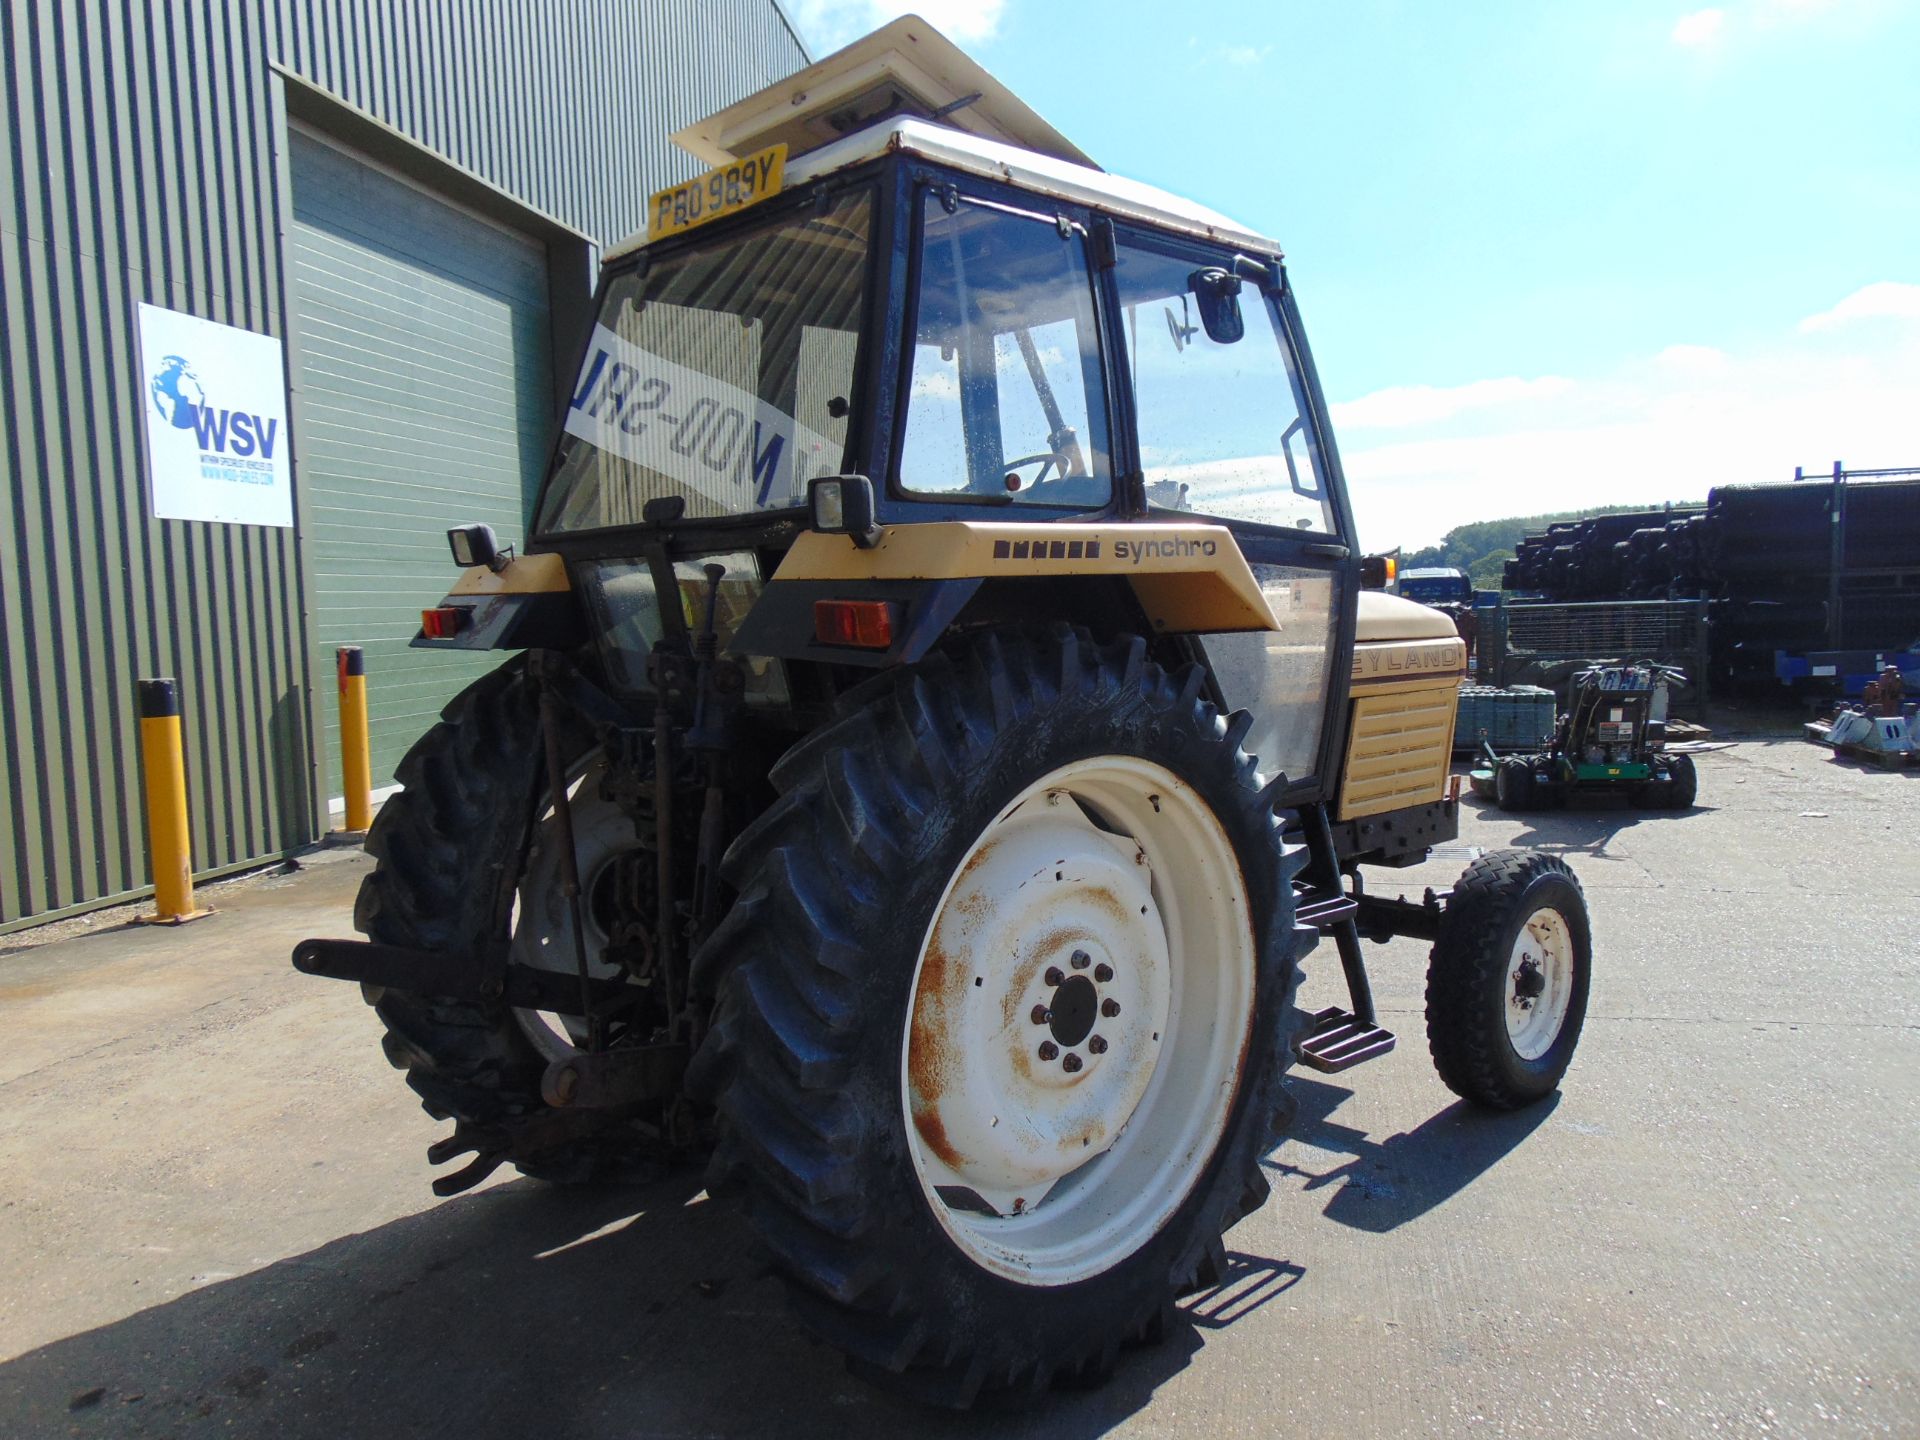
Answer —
(794, 1140)
(1465, 960)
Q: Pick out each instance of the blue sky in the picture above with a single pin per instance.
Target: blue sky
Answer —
(1549, 255)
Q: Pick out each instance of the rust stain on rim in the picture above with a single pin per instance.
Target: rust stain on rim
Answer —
(928, 1057)
(933, 1130)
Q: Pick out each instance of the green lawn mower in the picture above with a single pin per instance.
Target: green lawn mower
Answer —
(1612, 738)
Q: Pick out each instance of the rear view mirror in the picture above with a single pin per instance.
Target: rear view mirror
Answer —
(477, 545)
(843, 505)
(1217, 293)
(1378, 571)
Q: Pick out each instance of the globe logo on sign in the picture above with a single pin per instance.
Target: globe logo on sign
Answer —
(178, 393)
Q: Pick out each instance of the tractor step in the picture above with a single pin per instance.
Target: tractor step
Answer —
(1336, 1040)
(1323, 912)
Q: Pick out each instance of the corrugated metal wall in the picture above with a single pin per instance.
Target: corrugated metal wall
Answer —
(145, 162)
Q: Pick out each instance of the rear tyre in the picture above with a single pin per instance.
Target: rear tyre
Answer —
(450, 848)
(1507, 979)
(1002, 1012)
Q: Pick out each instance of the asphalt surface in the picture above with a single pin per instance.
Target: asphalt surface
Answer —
(214, 1213)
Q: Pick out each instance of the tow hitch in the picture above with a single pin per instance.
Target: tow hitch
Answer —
(588, 1091)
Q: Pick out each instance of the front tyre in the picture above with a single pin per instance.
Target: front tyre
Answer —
(1683, 783)
(1002, 1011)
(1513, 784)
(1507, 979)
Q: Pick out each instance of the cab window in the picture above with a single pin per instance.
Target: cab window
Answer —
(1004, 399)
(1222, 422)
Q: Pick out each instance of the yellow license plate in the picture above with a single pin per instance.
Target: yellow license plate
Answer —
(726, 191)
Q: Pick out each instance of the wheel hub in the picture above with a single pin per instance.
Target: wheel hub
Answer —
(1009, 1087)
(1071, 1015)
(1539, 983)
(1528, 982)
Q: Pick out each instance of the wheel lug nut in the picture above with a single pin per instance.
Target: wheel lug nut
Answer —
(1048, 1050)
(1081, 960)
(1054, 977)
(1041, 1015)
(1103, 973)
(1097, 1045)
(1109, 1008)
(1071, 1063)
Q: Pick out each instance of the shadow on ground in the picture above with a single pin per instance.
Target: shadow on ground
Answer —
(525, 1310)
(1388, 1182)
(1586, 825)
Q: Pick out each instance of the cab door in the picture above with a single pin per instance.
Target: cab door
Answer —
(1225, 428)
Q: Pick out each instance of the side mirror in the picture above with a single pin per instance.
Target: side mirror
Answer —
(1378, 571)
(843, 505)
(477, 545)
(1217, 293)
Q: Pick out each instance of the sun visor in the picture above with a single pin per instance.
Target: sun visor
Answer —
(904, 68)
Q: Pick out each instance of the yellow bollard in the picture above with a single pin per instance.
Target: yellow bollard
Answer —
(356, 765)
(168, 836)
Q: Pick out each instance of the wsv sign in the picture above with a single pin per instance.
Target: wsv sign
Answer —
(218, 446)
(182, 401)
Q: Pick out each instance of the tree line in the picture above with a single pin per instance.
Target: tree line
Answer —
(1484, 546)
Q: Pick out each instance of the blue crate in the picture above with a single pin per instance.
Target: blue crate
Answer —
(1520, 717)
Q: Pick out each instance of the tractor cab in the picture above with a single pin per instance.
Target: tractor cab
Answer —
(901, 302)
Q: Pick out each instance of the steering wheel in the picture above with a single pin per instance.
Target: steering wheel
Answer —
(1045, 459)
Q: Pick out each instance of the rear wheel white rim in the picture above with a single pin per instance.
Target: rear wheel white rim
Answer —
(542, 922)
(1539, 983)
(1079, 1020)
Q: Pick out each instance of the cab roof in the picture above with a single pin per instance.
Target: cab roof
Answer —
(906, 87)
(1044, 174)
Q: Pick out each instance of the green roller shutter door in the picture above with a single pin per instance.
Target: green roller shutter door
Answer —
(423, 388)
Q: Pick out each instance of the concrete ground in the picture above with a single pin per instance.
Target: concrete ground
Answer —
(214, 1214)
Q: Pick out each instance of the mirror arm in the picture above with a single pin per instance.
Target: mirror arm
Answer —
(1267, 274)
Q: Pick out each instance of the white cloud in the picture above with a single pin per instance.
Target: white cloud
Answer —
(830, 24)
(1885, 299)
(1705, 29)
(1244, 55)
(1404, 405)
(1778, 12)
(1702, 27)
(1692, 359)
(1669, 426)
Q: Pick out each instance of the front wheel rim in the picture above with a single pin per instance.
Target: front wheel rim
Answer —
(1540, 976)
(1079, 1019)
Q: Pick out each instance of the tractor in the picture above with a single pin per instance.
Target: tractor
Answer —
(942, 703)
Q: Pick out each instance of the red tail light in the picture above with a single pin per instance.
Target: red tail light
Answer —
(864, 624)
(443, 622)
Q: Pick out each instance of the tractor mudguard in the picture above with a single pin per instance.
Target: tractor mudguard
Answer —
(526, 604)
(1188, 579)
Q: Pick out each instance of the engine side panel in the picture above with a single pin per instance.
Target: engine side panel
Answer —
(1405, 696)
